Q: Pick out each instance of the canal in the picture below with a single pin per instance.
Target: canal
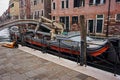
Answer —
(4, 35)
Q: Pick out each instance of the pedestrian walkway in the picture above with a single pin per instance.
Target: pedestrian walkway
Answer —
(16, 64)
(91, 71)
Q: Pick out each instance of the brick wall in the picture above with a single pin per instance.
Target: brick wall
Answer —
(24, 8)
(89, 12)
(44, 8)
(47, 8)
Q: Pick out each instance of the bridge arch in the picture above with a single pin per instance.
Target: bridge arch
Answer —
(18, 22)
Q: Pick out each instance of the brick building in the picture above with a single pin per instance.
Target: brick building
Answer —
(95, 12)
(41, 8)
(25, 8)
(14, 8)
(5, 16)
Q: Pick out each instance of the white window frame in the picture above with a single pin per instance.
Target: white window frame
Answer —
(102, 23)
(64, 4)
(65, 22)
(101, 2)
(94, 25)
(61, 4)
(55, 6)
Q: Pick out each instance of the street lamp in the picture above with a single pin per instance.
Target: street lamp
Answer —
(108, 19)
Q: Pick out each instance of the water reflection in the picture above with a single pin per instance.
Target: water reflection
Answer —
(4, 35)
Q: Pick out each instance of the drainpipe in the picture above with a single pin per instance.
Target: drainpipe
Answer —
(108, 19)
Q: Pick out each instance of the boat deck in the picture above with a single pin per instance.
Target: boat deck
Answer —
(16, 64)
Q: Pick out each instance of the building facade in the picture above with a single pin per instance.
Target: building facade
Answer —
(25, 9)
(14, 8)
(5, 16)
(95, 12)
(40, 8)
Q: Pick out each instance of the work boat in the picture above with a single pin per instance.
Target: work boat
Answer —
(71, 44)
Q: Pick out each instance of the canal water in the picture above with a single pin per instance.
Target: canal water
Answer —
(4, 35)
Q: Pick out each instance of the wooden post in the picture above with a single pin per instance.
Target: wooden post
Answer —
(83, 41)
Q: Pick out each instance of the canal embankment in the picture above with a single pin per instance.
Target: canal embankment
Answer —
(91, 71)
(23, 64)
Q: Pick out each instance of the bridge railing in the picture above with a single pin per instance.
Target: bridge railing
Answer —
(22, 17)
(19, 18)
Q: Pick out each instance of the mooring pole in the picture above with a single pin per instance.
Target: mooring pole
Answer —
(83, 41)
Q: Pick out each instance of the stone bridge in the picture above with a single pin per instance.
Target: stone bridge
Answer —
(17, 22)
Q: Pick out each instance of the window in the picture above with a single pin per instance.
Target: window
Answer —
(41, 1)
(62, 2)
(96, 2)
(99, 26)
(53, 18)
(117, 0)
(65, 20)
(53, 5)
(35, 2)
(62, 19)
(91, 2)
(82, 2)
(99, 16)
(99, 23)
(74, 19)
(91, 26)
(67, 24)
(117, 17)
(67, 3)
(103, 1)
(42, 13)
(35, 14)
(12, 5)
(38, 14)
(76, 3)
(79, 3)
